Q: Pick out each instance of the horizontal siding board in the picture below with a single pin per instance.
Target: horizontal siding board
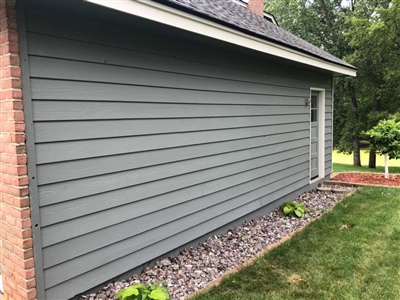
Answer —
(328, 171)
(84, 187)
(75, 285)
(143, 224)
(99, 184)
(91, 72)
(328, 144)
(112, 35)
(76, 110)
(71, 170)
(176, 140)
(56, 90)
(127, 230)
(63, 151)
(82, 130)
(162, 191)
(50, 46)
(243, 183)
(328, 129)
(328, 150)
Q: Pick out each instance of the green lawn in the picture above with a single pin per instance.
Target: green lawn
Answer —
(343, 163)
(324, 262)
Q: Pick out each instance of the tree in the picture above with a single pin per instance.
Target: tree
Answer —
(364, 33)
(385, 140)
(374, 52)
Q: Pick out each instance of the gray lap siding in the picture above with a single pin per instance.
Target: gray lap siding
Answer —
(145, 141)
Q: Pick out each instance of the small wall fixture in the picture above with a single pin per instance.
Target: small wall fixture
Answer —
(307, 101)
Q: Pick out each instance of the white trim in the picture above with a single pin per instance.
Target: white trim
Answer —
(271, 17)
(176, 18)
(332, 101)
(321, 133)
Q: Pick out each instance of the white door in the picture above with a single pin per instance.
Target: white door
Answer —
(314, 115)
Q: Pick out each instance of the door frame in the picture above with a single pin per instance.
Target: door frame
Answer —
(321, 134)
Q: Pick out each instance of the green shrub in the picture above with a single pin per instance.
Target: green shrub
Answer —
(292, 209)
(143, 292)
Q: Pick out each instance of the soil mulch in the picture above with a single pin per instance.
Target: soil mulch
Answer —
(368, 178)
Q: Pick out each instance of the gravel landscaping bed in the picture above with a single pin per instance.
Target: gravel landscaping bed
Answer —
(194, 268)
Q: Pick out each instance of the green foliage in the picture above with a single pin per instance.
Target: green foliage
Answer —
(292, 209)
(143, 292)
(385, 138)
(364, 33)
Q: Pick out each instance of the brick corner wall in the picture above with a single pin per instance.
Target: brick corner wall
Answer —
(17, 264)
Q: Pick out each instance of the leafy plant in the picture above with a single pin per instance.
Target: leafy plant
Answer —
(143, 292)
(292, 209)
(385, 139)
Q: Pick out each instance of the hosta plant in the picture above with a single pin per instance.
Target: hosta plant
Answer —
(294, 210)
(143, 292)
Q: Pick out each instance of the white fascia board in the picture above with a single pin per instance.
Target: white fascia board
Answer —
(176, 18)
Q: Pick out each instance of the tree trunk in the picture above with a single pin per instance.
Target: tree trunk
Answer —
(357, 154)
(372, 154)
(386, 166)
(372, 160)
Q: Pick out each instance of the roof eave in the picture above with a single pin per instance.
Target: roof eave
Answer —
(179, 19)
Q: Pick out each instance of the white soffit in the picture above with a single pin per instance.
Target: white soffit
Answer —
(176, 18)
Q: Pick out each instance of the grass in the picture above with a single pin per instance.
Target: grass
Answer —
(343, 163)
(324, 262)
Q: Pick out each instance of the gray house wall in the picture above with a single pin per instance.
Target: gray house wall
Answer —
(147, 137)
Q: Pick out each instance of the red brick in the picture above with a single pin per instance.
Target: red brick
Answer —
(10, 47)
(18, 296)
(25, 264)
(22, 202)
(8, 200)
(9, 264)
(18, 191)
(13, 94)
(11, 283)
(9, 72)
(11, 127)
(32, 294)
(22, 213)
(23, 223)
(16, 241)
(8, 60)
(25, 254)
(25, 294)
(13, 148)
(25, 273)
(26, 284)
(256, 6)
(11, 220)
(22, 234)
(14, 181)
(18, 160)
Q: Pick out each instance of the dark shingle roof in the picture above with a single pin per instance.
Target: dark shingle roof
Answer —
(239, 17)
